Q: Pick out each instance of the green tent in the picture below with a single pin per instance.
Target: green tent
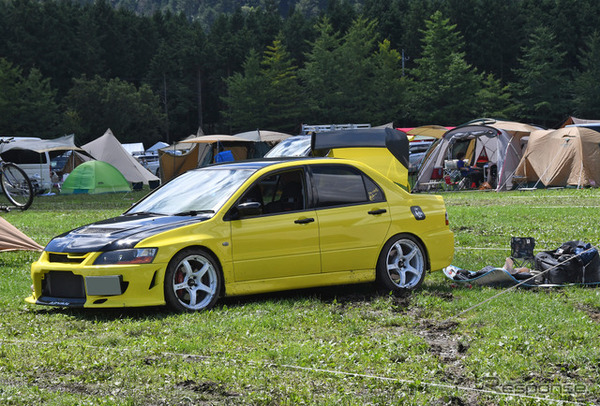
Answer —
(94, 177)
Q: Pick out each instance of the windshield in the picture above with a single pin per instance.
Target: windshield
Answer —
(293, 146)
(200, 191)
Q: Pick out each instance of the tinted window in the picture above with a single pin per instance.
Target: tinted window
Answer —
(24, 156)
(374, 192)
(341, 185)
(278, 193)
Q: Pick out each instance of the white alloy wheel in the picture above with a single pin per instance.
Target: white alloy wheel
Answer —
(192, 281)
(402, 264)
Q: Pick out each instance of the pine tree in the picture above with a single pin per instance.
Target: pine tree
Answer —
(27, 105)
(587, 82)
(320, 75)
(494, 99)
(339, 73)
(445, 86)
(542, 80)
(389, 92)
(246, 97)
(285, 105)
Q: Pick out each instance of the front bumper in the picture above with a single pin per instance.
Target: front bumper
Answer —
(71, 280)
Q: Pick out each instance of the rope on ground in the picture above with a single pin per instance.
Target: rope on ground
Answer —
(480, 248)
(263, 364)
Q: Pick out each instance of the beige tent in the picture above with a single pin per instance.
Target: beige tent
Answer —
(201, 151)
(271, 137)
(574, 120)
(108, 149)
(565, 157)
(12, 239)
(61, 144)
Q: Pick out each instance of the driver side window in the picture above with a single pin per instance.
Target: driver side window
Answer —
(279, 193)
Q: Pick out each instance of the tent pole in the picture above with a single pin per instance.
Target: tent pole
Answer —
(580, 173)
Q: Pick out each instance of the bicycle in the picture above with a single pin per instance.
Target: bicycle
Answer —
(15, 183)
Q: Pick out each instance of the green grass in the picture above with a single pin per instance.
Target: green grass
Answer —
(344, 345)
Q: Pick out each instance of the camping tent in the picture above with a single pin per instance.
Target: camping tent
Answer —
(271, 137)
(12, 239)
(425, 132)
(565, 157)
(154, 149)
(196, 151)
(35, 155)
(64, 143)
(95, 177)
(574, 120)
(134, 148)
(495, 146)
(108, 149)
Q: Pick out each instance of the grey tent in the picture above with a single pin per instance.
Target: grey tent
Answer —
(495, 146)
(108, 149)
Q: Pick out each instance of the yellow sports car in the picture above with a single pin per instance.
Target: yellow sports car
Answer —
(254, 226)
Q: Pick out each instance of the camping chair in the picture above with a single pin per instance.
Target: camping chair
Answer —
(522, 252)
(453, 177)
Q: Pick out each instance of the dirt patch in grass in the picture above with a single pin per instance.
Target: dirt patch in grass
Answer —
(450, 349)
(206, 387)
(401, 302)
(49, 381)
(440, 335)
(592, 312)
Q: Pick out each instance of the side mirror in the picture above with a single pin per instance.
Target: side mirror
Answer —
(246, 209)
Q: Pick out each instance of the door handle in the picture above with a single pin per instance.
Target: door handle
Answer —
(305, 220)
(380, 211)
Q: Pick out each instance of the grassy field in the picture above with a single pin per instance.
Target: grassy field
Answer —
(346, 345)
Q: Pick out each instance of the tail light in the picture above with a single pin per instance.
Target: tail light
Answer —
(447, 221)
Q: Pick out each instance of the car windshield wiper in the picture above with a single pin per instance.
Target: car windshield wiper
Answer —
(193, 212)
(143, 213)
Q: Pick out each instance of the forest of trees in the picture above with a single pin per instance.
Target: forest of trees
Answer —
(149, 74)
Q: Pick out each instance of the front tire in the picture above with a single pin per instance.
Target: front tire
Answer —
(402, 264)
(17, 186)
(193, 281)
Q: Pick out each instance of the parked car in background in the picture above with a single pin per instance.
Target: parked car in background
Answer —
(297, 145)
(37, 165)
(249, 227)
(417, 152)
(150, 162)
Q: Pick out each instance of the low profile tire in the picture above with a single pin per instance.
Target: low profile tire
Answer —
(402, 264)
(193, 281)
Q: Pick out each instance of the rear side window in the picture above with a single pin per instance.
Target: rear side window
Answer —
(342, 185)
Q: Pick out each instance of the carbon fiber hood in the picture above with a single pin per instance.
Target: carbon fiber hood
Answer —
(118, 232)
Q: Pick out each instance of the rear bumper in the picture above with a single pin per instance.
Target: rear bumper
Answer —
(440, 247)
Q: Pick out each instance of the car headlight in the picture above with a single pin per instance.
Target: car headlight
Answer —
(125, 257)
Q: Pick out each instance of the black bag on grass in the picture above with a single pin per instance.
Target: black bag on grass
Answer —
(572, 262)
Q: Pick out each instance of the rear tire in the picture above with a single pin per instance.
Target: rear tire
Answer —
(16, 185)
(402, 264)
(193, 281)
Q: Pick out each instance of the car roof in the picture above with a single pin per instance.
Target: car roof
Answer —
(260, 163)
